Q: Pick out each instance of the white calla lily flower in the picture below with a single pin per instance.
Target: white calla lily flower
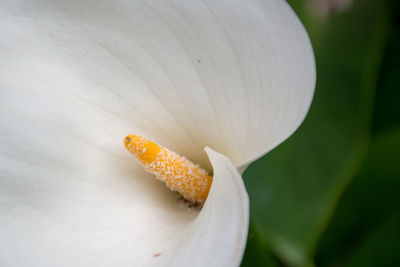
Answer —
(77, 76)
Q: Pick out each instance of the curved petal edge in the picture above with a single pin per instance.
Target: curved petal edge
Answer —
(217, 237)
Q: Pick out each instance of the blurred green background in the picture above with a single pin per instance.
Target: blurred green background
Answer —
(330, 194)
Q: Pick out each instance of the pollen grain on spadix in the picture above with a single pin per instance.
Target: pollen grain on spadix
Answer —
(177, 172)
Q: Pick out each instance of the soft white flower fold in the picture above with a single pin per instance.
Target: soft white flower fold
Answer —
(77, 76)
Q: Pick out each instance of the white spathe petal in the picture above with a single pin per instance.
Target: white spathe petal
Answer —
(77, 76)
(234, 75)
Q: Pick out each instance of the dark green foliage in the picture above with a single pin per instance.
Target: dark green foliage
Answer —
(328, 195)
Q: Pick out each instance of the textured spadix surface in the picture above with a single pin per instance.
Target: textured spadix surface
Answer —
(77, 76)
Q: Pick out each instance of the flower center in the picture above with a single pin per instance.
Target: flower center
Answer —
(179, 174)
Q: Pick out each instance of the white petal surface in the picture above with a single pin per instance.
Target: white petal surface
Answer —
(70, 194)
(77, 76)
(116, 215)
(234, 75)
